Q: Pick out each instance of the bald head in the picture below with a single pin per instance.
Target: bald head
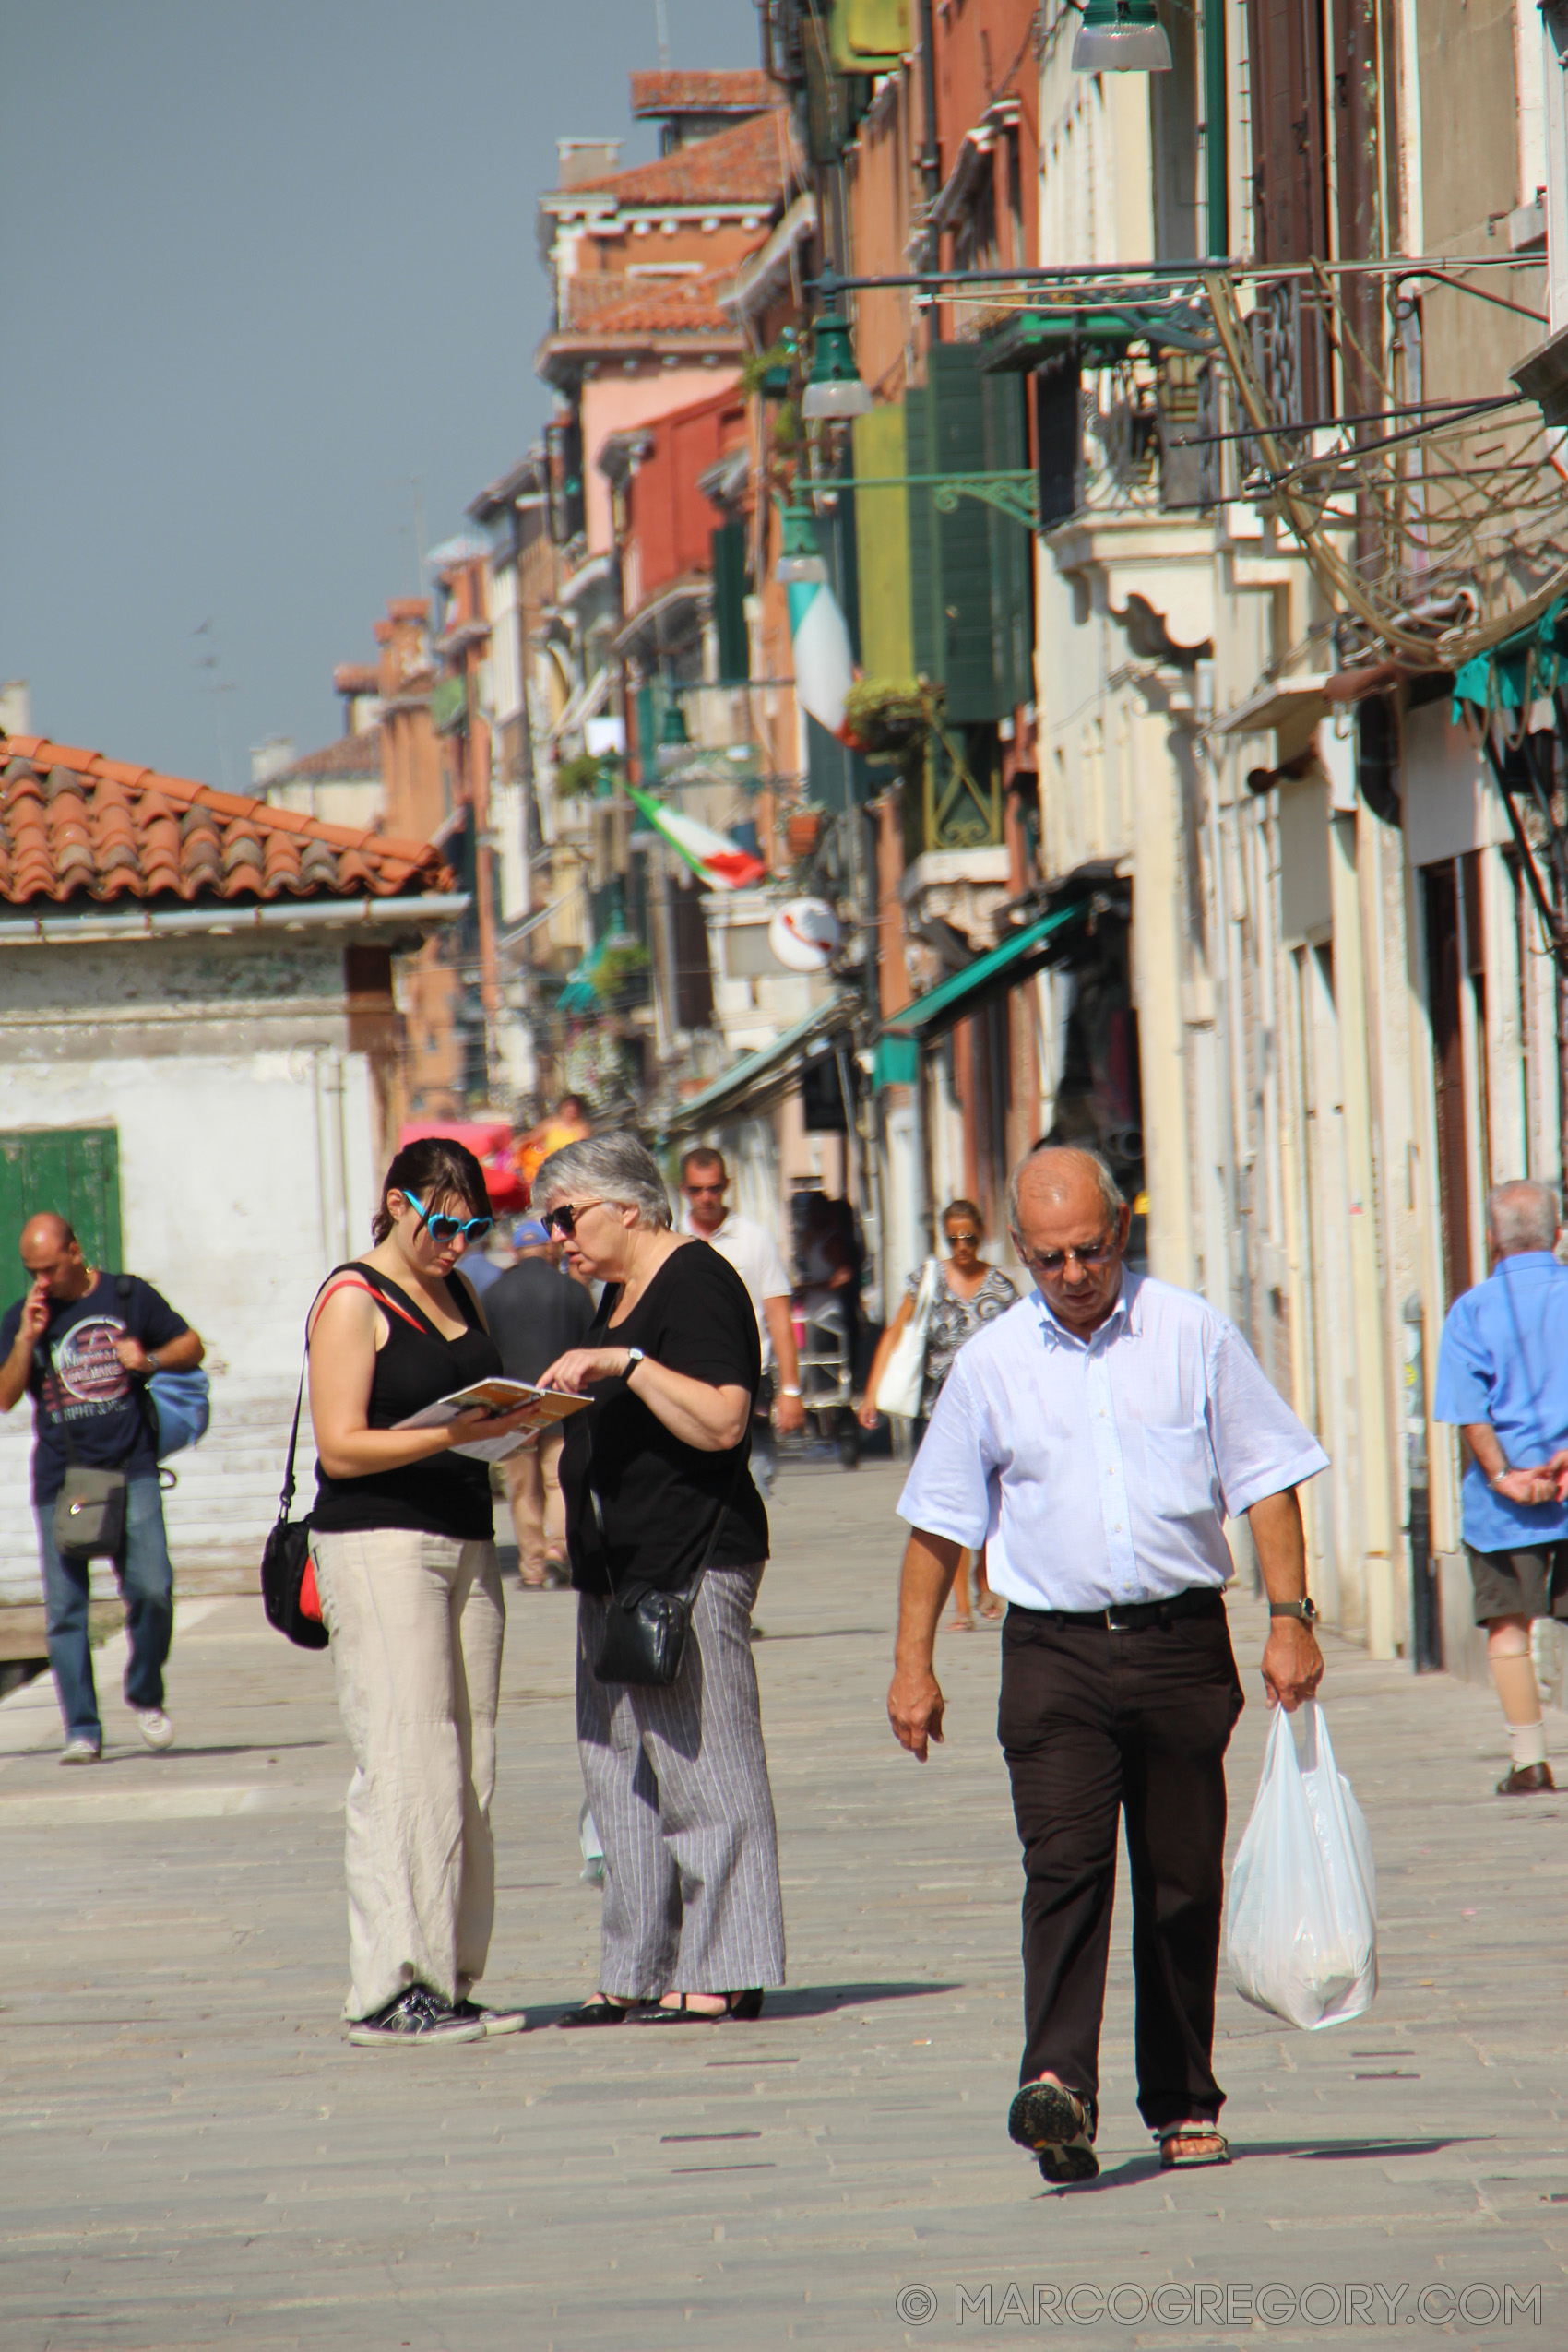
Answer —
(1065, 1174)
(53, 1256)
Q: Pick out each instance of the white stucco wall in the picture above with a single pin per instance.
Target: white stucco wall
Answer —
(247, 1168)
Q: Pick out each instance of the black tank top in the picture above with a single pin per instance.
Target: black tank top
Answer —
(449, 1495)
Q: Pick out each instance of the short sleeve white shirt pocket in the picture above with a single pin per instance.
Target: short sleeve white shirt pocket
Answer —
(1180, 1464)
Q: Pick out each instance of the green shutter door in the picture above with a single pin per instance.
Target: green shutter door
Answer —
(968, 661)
(728, 550)
(75, 1170)
(925, 607)
(1012, 549)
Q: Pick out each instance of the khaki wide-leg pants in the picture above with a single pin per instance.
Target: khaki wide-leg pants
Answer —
(417, 1622)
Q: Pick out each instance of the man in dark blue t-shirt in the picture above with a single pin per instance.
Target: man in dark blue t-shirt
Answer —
(79, 1344)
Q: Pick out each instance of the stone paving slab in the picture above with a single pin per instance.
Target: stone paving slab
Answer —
(192, 2155)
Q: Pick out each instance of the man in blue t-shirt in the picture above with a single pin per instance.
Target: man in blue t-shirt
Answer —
(80, 1344)
(1502, 1376)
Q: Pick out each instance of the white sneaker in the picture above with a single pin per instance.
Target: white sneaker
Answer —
(156, 1728)
(81, 1751)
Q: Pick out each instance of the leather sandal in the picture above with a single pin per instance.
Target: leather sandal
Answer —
(740, 2006)
(1184, 2147)
(601, 2010)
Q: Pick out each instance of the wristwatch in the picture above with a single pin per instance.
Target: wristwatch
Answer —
(1506, 1472)
(788, 1392)
(634, 1356)
(1305, 1610)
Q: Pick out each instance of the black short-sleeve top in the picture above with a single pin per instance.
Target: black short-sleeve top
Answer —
(448, 1494)
(659, 1495)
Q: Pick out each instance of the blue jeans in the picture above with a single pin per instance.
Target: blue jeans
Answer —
(147, 1581)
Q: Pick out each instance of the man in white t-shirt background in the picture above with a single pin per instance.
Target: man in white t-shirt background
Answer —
(754, 1254)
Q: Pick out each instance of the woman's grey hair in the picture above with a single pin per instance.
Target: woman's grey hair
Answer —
(1043, 1155)
(1523, 1215)
(605, 1168)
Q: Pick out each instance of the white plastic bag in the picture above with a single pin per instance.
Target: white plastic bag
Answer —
(1301, 1919)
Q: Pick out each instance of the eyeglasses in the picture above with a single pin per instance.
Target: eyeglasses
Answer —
(563, 1219)
(956, 1238)
(448, 1229)
(1090, 1258)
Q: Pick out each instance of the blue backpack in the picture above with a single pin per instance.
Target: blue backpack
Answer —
(178, 1404)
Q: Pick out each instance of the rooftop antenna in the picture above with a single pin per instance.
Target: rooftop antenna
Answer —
(662, 19)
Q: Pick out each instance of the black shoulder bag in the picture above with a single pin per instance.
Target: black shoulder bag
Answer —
(286, 1562)
(645, 1630)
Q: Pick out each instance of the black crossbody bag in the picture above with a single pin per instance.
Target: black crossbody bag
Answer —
(285, 1562)
(646, 1631)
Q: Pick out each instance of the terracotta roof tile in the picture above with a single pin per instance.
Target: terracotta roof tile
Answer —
(657, 306)
(745, 165)
(352, 758)
(74, 825)
(743, 91)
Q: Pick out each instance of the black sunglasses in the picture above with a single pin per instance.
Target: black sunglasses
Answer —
(564, 1220)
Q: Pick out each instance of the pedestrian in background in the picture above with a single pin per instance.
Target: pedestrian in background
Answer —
(657, 1482)
(754, 1254)
(411, 1593)
(536, 1312)
(1108, 1426)
(80, 1344)
(1502, 1375)
(969, 1294)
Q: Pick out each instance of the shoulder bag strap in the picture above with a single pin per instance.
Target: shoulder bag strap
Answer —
(348, 1282)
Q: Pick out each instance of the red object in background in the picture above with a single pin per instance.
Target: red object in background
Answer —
(490, 1140)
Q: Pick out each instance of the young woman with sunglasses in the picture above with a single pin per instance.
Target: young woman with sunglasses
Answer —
(970, 1293)
(405, 1561)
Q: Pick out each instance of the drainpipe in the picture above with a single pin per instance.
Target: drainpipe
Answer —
(1217, 142)
(931, 151)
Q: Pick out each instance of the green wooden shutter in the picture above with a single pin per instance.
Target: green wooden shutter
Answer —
(963, 537)
(925, 606)
(75, 1170)
(728, 550)
(1012, 549)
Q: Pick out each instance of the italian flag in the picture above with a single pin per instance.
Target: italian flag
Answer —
(713, 856)
(824, 671)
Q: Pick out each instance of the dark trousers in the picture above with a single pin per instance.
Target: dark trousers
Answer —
(1094, 1723)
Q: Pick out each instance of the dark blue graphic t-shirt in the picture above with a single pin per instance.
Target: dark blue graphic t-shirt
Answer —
(86, 1386)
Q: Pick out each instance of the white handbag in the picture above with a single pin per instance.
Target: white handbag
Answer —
(903, 1375)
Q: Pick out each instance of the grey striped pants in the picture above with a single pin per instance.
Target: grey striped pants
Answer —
(677, 1784)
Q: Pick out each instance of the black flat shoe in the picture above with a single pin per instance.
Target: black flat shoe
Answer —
(600, 2010)
(740, 2006)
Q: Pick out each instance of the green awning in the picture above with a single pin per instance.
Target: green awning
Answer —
(769, 1071)
(964, 992)
(1511, 675)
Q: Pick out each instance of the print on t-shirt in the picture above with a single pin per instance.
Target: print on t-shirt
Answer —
(86, 1369)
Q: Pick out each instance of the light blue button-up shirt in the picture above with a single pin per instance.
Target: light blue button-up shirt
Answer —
(1102, 1471)
(1505, 1360)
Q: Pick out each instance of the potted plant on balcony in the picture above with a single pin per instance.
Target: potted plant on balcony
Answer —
(891, 718)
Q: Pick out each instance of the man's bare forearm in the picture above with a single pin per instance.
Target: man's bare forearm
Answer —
(782, 1331)
(931, 1562)
(182, 1354)
(1281, 1543)
(13, 1374)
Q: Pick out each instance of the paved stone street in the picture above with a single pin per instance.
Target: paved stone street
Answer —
(192, 2156)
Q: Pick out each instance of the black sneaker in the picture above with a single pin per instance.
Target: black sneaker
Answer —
(1059, 2126)
(418, 2014)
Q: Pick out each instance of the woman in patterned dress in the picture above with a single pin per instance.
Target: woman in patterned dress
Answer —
(970, 1293)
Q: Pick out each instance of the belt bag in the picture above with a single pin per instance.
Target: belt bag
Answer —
(646, 1631)
(89, 1514)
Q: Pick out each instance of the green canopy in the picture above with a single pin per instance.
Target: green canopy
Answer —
(1513, 675)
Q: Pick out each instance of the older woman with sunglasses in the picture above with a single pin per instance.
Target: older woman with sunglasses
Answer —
(657, 1482)
(969, 1294)
(405, 1560)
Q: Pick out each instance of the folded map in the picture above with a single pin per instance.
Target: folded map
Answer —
(497, 1398)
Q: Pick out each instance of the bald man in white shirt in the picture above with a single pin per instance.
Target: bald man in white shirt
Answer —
(1096, 1436)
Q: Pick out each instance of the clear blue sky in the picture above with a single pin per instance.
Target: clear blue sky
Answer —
(262, 263)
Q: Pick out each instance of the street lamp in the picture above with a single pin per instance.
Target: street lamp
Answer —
(1121, 36)
(799, 566)
(674, 741)
(836, 391)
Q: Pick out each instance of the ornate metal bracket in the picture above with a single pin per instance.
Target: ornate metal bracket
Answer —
(1012, 493)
